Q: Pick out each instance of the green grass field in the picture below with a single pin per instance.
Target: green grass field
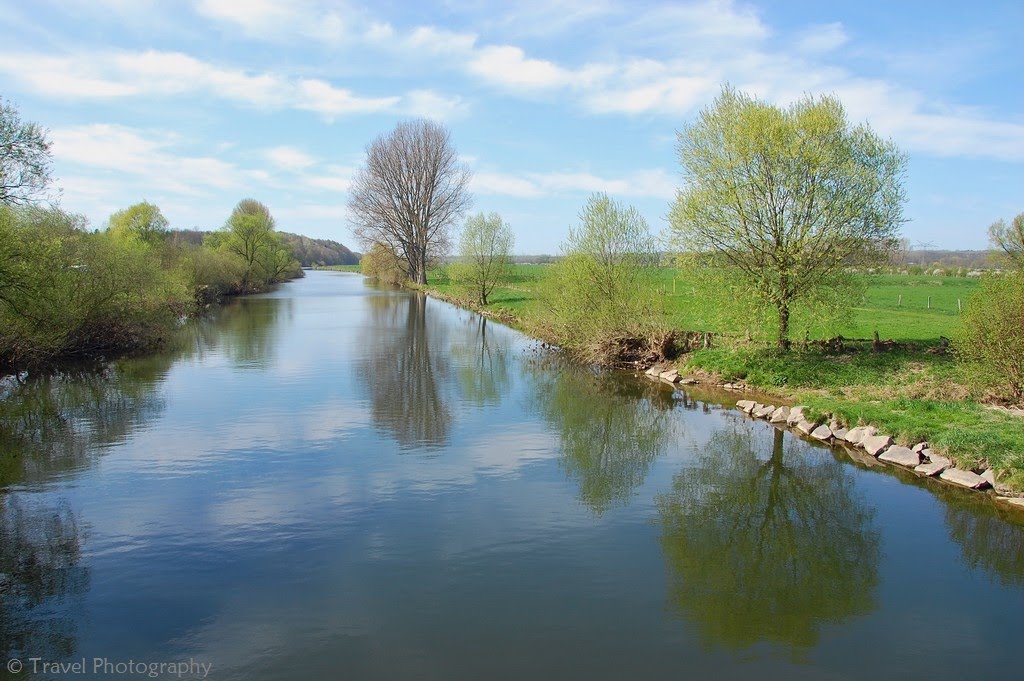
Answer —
(904, 319)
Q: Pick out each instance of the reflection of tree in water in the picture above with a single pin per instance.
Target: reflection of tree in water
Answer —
(40, 574)
(482, 362)
(766, 548)
(405, 370)
(53, 422)
(245, 330)
(610, 430)
(987, 536)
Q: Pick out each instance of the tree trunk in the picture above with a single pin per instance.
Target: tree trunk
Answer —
(784, 327)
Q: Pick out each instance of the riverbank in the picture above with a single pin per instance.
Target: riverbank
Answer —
(913, 391)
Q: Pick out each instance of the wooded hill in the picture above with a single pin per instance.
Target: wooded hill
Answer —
(307, 251)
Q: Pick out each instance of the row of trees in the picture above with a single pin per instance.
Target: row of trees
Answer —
(67, 290)
(780, 206)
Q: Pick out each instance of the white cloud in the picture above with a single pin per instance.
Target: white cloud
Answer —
(429, 104)
(822, 38)
(337, 179)
(289, 158)
(120, 74)
(509, 66)
(276, 20)
(505, 185)
(638, 184)
(146, 158)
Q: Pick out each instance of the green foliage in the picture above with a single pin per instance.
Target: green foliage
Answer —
(602, 287)
(992, 335)
(787, 198)
(143, 221)
(25, 158)
(77, 292)
(383, 264)
(485, 249)
(249, 235)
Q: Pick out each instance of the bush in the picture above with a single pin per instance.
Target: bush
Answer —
(383, 264)
(602, 293)
(992, 333)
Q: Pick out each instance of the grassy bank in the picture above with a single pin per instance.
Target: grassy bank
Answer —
(911, 391)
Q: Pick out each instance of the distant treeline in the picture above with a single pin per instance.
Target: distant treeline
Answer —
(309, 252)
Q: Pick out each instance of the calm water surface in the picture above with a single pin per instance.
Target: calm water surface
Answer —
(339, 481)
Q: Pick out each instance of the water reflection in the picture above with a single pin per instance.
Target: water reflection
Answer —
(246, 330)
(609, 429)
(54, 422)
(40, 578)
(405, 367)
(767, 547)
(985, 536)
(482, 358)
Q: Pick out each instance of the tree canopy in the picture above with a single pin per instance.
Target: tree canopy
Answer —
(787, 197)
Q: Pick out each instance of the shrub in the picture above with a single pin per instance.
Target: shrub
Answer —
(992, 332)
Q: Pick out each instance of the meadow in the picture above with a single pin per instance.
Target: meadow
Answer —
(913, 308)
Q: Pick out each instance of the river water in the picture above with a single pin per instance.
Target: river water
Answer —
(340, 481)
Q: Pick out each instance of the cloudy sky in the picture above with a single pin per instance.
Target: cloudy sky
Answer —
(194, 105)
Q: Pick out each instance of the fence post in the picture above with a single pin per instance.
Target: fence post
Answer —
(900, 303)
(929, 302)
(959, 305)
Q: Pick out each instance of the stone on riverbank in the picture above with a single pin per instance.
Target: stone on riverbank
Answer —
(796, 415)
(963, 478)
(688, 381)
(780, 415)
(876, 444)
(822, 433)
(989, 476)
(1013, 501)
(764, 410)
(857, 435)
(904, 456)
(806, 427)
(932, 469)
(920, 446)
(671, 375)
(746, 406)
(839, 433)
(933, 457)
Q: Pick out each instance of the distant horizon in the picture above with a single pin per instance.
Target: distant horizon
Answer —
(194, 106)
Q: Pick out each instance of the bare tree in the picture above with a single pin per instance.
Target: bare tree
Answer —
(410, 193)
(1009, 238)
(24, 158)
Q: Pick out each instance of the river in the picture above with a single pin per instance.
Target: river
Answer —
(336, 480)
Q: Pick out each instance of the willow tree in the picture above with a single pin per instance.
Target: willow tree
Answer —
(411, 192)
(25, 158)
(1008, 240)
(485, 252)
(787, 197)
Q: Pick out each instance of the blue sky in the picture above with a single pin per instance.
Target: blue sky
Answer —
(195, 105)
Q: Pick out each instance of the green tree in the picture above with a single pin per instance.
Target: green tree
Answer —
(991, 335)
(485, 249)
(1009, 240)
(249, 235)
(602, 287)
(380, 262)
(24, 158)
(143, 221)
(789, 198)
